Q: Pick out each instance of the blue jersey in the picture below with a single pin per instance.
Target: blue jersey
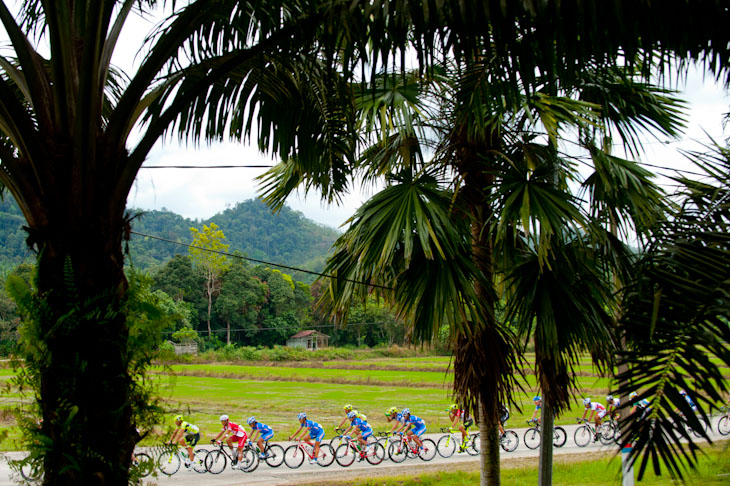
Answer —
(415, 421)
(361, 424)
(312, 426)
(262, 428)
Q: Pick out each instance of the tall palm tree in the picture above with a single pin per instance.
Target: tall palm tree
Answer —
(69, 159)
(486, 164)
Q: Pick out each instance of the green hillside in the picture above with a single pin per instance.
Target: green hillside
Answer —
(286, 237)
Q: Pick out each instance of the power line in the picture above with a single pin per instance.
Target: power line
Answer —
(259, 261)
(206, 167)
(285, 328)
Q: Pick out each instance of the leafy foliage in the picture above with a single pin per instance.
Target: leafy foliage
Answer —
(676, 318)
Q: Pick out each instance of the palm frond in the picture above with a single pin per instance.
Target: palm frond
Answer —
(676, 318)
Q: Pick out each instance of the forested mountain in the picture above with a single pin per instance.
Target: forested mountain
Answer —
(286, 237)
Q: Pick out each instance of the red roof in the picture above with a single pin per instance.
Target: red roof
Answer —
(302, 334)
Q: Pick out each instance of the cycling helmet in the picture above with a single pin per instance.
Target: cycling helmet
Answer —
(391, 411)
(302, 416)
(348, 408)
(178, 418)
(405, 411)
(632, 395)
(453, 406)
(223, 418)
(251, 420)
(609, 398)
(682, 392)
(586, 401)
(536, 398)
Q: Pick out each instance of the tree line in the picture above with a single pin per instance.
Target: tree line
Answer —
(250, 305)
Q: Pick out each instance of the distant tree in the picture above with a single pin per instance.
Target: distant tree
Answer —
(210, 264)
(240, 298)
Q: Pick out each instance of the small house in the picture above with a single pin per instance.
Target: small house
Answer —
(308, 339)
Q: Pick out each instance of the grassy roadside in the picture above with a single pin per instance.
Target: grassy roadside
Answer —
(588, 469)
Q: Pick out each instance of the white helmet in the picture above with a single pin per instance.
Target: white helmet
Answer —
(586, 401)
(223, 418)
(609, 398)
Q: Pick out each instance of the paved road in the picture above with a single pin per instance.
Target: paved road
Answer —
(283, 476)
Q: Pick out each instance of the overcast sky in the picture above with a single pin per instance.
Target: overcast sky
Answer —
(201, 193)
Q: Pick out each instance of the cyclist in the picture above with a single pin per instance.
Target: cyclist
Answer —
(393, 414)
(643, 405)
(237, 435)
(316, 433)
(689, 400)
(537, 399)
(348, 409)
(455, 413)
(265, 433)
(361, 428)
(187, 435)
(613, 405)
(598, 411)
(414, 426)
(503, 417)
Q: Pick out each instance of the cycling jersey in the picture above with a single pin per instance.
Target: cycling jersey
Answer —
(189, 429)
(616, 403)
(643, 403)
(237, 430)
(418, 425)
(316, 431)
(265, 431)
(365, 429)
(598, 408)
(691, 403)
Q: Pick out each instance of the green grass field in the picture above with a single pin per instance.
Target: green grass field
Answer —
(276, 392)
(713, 469)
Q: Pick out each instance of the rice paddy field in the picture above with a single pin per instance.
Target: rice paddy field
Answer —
(275, 392)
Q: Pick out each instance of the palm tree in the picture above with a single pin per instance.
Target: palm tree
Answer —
(486, 163)
(69, 159)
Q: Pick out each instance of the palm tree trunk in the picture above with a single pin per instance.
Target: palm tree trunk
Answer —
(80, 354)
(545, 471)
(489, 460)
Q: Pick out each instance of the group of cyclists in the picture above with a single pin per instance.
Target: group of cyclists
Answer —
(236, 436)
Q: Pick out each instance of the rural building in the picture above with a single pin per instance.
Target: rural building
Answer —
(308, 339)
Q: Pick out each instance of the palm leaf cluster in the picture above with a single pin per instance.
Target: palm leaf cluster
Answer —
(676, 318)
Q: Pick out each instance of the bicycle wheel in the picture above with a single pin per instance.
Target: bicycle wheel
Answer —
(326, 455)
(375, 454)
(606, 433)
(337, 441)
(532, 438)
(216, 461)
(509, 440)
(274, 455)
(723, 425)
(560, 437)
(699, 433)
(32, 471)
(199, 460)
(293, 456)
(249, 460)
(475, 445)
(428, 451)
(168, 462)
(145, 465)
(345, 455)
(396, 451)
(582, 436)
(446, 446)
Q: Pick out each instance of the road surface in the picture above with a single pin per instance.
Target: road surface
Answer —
(308, 473)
